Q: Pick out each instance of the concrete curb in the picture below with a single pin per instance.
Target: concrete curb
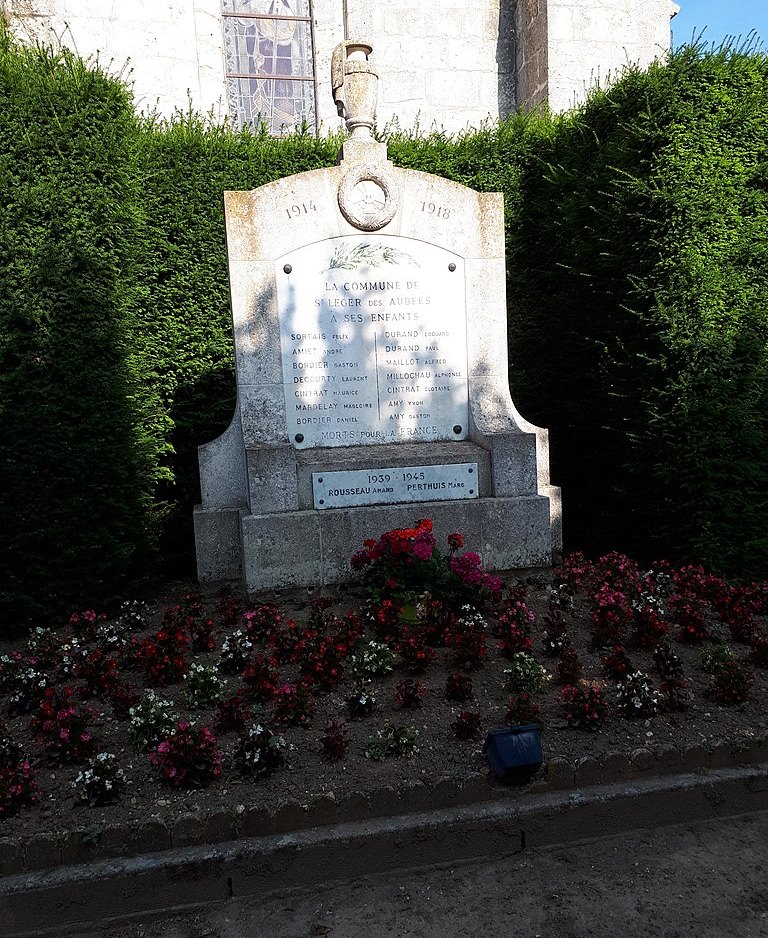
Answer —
(48, 850)
(52, 902)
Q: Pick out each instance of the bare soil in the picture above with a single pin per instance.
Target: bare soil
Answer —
(440, 753)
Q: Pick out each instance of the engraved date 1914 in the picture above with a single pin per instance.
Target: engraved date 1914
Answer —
(303, 208)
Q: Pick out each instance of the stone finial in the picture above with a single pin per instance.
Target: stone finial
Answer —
(355, 87)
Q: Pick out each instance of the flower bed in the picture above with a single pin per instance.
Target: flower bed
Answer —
(194, 704)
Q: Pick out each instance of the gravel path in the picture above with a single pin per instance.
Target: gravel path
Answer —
(706, 880)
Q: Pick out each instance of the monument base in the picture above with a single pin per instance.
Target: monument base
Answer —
(311, 548)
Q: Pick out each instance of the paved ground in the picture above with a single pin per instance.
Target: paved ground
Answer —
(695, 881)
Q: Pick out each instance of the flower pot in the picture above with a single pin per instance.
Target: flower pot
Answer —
(514, 752)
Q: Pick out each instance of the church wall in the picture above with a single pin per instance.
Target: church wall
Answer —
(171, 50)
(443, 63)
(591, 41)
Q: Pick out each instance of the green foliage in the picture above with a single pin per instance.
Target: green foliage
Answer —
(73, 461)
(525, 675)
(183, 332)
(392, 740)
(637, 261)
(639, 299)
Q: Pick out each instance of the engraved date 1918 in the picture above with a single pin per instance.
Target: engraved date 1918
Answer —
(432, 208)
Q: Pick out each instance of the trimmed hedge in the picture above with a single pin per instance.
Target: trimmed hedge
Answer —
(642, 304)
(183, 325)
(75, 467)
(637, 265)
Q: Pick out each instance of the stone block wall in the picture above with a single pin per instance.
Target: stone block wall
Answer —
(443, 63)
(532, 52)
(591, 41)
(171, 50)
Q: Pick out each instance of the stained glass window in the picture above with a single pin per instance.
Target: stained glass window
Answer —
(269, 63)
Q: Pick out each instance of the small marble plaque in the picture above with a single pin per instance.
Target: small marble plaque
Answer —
(373, 338)
(393, 486)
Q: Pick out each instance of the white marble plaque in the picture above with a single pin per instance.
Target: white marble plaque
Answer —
(373, 342)
(392, 486)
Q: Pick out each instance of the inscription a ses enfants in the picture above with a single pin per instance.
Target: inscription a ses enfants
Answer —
(373, 342)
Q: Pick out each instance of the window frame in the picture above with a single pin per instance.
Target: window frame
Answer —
(266, 76)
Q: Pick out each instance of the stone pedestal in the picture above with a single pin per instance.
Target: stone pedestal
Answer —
(370, 332)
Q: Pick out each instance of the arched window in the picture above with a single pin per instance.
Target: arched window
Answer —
(269, 63)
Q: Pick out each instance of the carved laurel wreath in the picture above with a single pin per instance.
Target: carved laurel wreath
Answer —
(370, 220)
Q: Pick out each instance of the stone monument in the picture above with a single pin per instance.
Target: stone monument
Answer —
(370, 334)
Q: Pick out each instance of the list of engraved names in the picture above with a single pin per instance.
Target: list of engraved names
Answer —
(373, 342)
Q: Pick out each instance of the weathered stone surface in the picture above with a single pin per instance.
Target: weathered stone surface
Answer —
(322, 809)
(616, 766)
(415, 796)
(589, 771)
(188, 830)
(560, 773)
(339, 279)
(11, 858)
(219, 530)
(281, 550)
(642, 760)
(454, 65)
(253, 821)
(42, 851)
(668, 759)
(288, 816)
(477, 787)
(150, 836)
(385, 801)
(720, 754)
(446, 792)
(219, 826)
(695, 758)
(272, 479)
(354, 806)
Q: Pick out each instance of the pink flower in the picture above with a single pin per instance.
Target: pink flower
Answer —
(422, 550)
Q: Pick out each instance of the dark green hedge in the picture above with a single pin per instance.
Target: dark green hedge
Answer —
(641, 299)
(75, 470)
(636, 244)
(183, 324)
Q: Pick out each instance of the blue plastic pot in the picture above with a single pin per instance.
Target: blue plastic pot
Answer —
(514, 752)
